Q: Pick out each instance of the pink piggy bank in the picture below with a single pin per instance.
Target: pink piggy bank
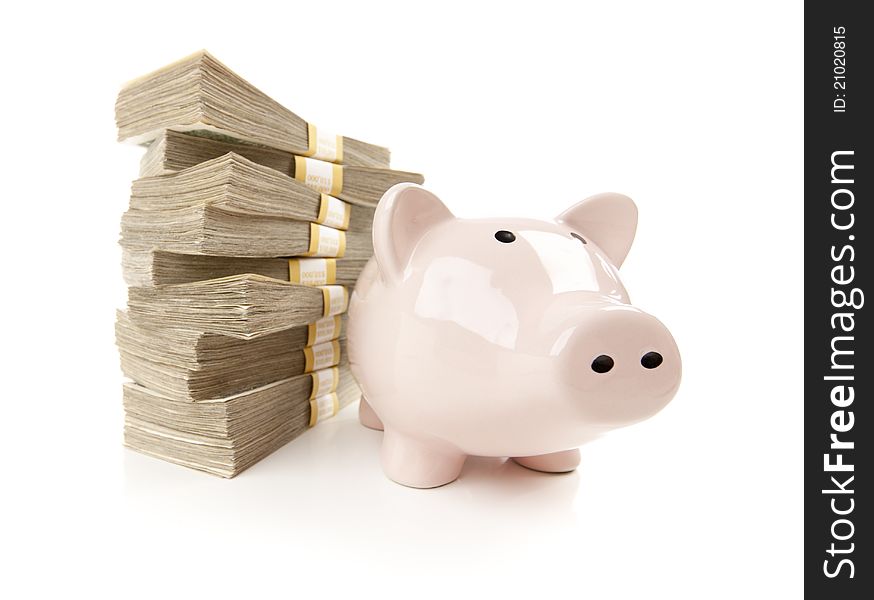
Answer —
(501, 337)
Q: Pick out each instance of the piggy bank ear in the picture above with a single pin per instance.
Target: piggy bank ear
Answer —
(609, 220)
(403, 215)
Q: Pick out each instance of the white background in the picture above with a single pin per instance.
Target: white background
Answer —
(694, 110)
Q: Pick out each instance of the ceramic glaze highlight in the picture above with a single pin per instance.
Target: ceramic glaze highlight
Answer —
(501, 337)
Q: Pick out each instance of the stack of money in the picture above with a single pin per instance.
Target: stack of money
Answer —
(246, 231)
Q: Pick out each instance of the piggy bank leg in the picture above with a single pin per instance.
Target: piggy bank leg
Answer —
(417, 463)
(557, 462)
(367, 416)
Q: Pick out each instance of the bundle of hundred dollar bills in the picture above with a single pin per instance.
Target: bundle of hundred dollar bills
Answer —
(245, 234)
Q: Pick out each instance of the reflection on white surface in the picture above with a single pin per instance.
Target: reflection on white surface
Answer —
(458, 290)
(329, 481)
(321, 507)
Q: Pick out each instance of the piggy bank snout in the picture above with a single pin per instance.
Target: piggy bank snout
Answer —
(625, 364)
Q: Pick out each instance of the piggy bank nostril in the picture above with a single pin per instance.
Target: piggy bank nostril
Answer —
(651, 360)
(602, 364)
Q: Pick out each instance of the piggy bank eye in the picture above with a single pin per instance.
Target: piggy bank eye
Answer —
(505, 236)
(579, 237)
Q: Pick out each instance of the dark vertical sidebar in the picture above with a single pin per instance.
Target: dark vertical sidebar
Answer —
(838, 366)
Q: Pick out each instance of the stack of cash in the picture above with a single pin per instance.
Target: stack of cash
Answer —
(245, 234)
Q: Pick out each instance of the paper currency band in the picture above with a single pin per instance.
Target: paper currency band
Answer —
(325, 381)
(326, 241)
(323, 407)
(319, 175)
(335, 299)
(333, 212)
(323, 330)
(321, 356)
(323, 145)
(312, 271)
